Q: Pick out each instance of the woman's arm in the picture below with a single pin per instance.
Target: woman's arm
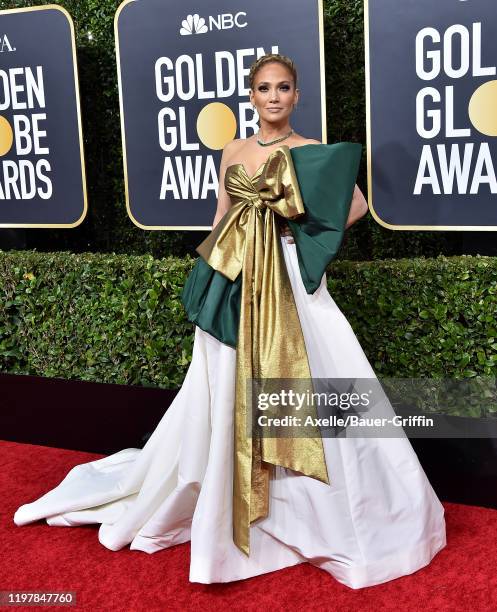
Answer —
(223, 199)
(358, 207)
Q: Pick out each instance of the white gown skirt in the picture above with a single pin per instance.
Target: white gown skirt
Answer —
(378, 520)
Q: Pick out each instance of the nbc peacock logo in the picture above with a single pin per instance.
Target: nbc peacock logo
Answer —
(193, 24)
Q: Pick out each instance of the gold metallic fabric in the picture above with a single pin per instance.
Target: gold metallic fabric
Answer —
(270, 343)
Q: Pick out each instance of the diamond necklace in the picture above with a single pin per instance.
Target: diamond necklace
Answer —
(265, 144)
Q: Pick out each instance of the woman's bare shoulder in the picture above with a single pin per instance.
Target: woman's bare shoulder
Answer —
(234, 148)
(305, 141)
(232, 145)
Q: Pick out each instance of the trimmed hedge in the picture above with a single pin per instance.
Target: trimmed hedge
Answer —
(105, 318)
(119, 319)
(429, 318)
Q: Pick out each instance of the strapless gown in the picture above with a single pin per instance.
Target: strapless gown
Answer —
(378, 520)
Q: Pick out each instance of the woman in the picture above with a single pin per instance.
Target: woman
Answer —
(362, 509)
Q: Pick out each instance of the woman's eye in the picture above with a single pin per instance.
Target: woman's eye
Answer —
(284, 87)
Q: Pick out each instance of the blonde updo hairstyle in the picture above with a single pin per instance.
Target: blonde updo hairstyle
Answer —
(268, 58)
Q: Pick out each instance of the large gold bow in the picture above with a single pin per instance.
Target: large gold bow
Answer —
(270, 342)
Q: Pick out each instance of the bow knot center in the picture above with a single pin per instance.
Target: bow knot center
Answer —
(257, 202)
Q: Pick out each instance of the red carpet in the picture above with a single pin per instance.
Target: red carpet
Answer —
(40, 557)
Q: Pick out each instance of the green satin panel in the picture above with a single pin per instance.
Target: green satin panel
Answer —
(212, 302)
(326, 175)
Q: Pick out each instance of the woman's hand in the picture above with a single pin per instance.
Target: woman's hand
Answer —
(286, 231)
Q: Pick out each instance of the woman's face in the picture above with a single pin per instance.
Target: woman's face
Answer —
(274, 93)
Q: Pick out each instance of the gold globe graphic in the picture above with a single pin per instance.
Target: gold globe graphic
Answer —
(216, 125)
(482, 107)
(6, 136)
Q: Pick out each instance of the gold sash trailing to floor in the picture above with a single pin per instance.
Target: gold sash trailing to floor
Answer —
(270, 342)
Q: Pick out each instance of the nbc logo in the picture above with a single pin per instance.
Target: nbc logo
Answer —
(194, 24)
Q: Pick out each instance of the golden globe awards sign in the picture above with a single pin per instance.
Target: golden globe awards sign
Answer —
(183, 77)
(42, 181)
(432, 113)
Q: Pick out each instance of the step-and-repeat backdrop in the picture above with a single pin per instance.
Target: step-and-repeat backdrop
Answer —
(432, 113)
(431, 85)
(42, 171)
(183, 69)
